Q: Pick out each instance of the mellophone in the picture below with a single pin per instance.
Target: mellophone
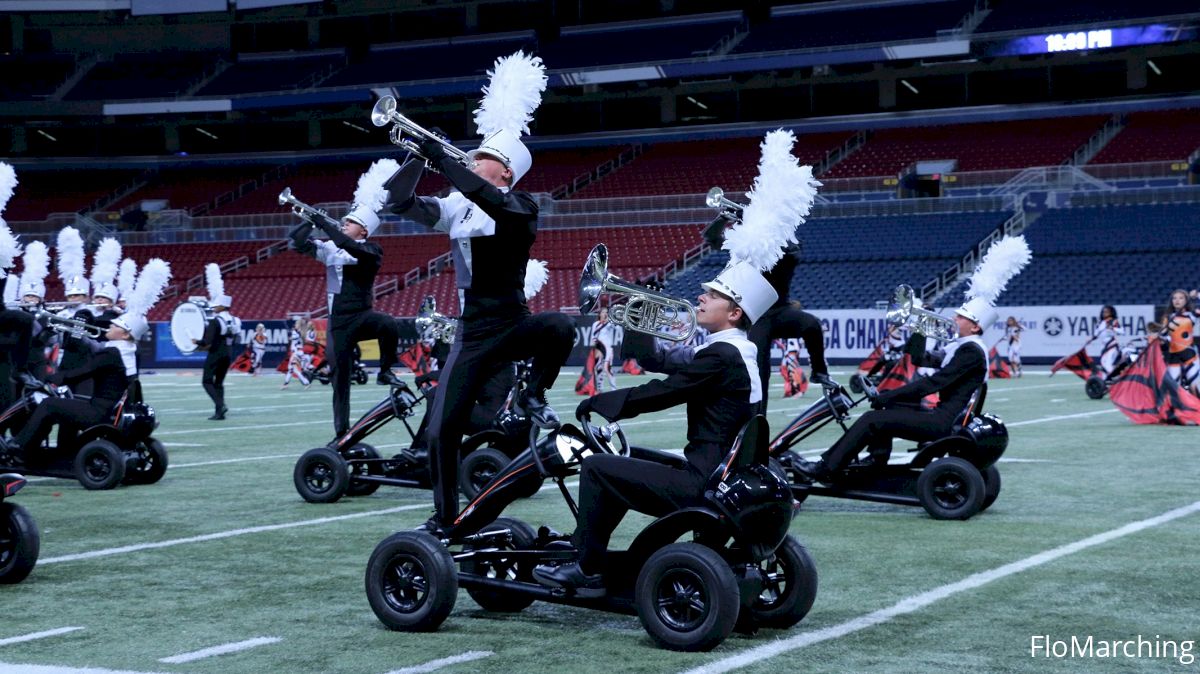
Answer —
(188, 322)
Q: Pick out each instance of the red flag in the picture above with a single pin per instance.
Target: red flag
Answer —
(873, 359)
(1147, 395)
(999, 367)
(1079, 362)
(416, 358)
(243, 362)
(286, 362)
(586, 385)
(795, 382)
(630, 366)
(903, 372)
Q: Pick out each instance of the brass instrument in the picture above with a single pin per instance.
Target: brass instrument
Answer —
(905, 310)
(304, 210)
(404, 131)
(70, 326)
(440, 327)
(646, 311)
(729, 209)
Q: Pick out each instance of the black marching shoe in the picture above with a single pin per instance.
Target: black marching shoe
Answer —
(534, 406)
(869, 462)
(219, 415)
(388, 378)
(434, 527)
(824, 379)
(571, 577)
(816, 471)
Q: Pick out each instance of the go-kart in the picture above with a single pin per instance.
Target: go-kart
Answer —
(738, 567)
(349, 466)
(1097, 384)
(118, 451)
(954, 477)
(324, 373)
(19, 538)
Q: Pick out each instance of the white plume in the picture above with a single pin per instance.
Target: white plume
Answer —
(37, 263)
(370, 191)
(1003, 260)
(213, 280)
(126, 277)
(70, 254)
(12, 287)
(511, 95)
(104, 263)
(8, 184)
(10, 249)
(150, 285)
(535, 278)
(782, 196)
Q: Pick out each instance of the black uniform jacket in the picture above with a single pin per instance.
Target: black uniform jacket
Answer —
(954, 382)
(214, 340)
(107, 372)
(358, 280)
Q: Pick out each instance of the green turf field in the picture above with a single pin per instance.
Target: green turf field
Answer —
(223, 551)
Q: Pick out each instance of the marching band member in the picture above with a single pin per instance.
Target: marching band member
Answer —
(295, 364)
(126, 278)
(963, 370)
(218, 337)
(351, 264)
(605, 335)
(70, 264)
(258, 347)
(103, 310)
(492, 228)
(16, 327)
(1012, 335)
(1108, 329)
(1179, 328)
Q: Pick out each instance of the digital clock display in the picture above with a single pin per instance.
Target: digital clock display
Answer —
(1084, 40)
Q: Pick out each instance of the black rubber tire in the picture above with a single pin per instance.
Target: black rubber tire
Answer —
(991, 486)
(791, 587)
(694, 572)
(19, 543)
(357, 488)
(411, 583)
(1095, 388)
(951, 489)
(478, 468)
(321, 476)
(151, 465)
(502, 602)
(99, 465)
(360, 377)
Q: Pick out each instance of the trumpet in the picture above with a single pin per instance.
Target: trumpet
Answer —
(646, 311)
(404, 131)
(904, 310)
(70, 326)
(441, 327)
(302, 209)
(729, 209)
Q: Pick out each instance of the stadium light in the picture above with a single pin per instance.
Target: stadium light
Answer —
(354, 126)
(46, 135)
(206, 133)
(910, 86)
(698, 103)
(1153, 67)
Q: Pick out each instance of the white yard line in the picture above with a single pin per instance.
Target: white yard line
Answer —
(21, 668)
(917, 602)
(241, 460)
(434, 665)
(38, 635)
(1060, 417)
(219, 650)
(217, 429)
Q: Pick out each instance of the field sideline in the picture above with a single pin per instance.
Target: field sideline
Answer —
(221, 567)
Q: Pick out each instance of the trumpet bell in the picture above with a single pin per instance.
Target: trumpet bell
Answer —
(381, 114)
(905, 310)
(901, 305)
(591, 283)
(285, 197)
(713, 200)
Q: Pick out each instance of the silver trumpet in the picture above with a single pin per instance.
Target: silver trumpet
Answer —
(302, 209)
(440, 327)
(70, 326)
(729, 208)
(905, 310)
(646, 311)
(404, 131)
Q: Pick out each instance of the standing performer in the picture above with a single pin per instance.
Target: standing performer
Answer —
(1012, 334)
(351, 264)
(258, 347)
(1179, 328)
(604, 339)
(295, 364)
(492, 228)
(16, 327)
(964, 368)
(218, 338)
(787, 190)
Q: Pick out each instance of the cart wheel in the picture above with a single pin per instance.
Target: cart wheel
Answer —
(1095, 388)
(360, 377)
(150, 465)
(991, 486)
(99, 465)
(321, 476)
(19, 543)
(479, 468)
(411, 583)
(358, 488)
(687, 597)
(523, 537)
(790, 587)
(951, 489)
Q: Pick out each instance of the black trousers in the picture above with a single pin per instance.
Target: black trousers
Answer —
(610, 486)
(70, 413)
(472, 364)
(345, 332)
(489, 402)
(215, 368)
(787, 321)
(876, 428)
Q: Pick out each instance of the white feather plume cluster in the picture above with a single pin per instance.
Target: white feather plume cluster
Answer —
(37, 263)
(10, 249)
(150, 286)
(105, 262)
(12, 287)
(370, 191)
(536, 276)
(212, 279)
(512, 93)
(1003, 260)
(69, 248)
(782, 196)
(8, 184)
(126, 277)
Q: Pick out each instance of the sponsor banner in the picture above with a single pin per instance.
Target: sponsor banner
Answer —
(165, 354)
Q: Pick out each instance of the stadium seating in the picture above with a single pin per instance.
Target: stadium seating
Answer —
(433, 59)
(28, 77)
(250, 75)
(40, 193)
(1169, 135)
(788, 30)
(587, 46)
(142, 76)
(192, 187)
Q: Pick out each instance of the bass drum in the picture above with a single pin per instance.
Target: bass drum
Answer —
(187, 323)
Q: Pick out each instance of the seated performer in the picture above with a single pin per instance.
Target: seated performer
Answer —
(1107, 332)
(719, 383)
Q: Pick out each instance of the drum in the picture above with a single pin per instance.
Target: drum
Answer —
(188, 322)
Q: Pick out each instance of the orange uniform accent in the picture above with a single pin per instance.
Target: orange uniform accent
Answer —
(1180, 328)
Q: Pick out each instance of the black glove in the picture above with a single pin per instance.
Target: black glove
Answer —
(55, 379)
(584, 408)
(878, 400)
(433, 150)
